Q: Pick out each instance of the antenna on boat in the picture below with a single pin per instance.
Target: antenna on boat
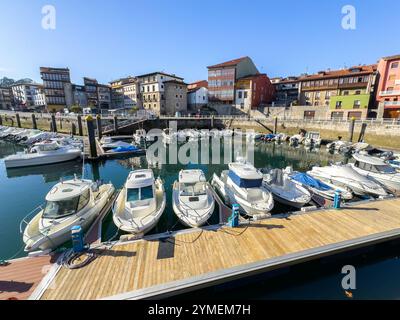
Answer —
(83, 166)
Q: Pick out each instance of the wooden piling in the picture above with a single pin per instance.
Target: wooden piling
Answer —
(1, 120)
(362, 132)
(275, 125)
(80, 130)
(34, 124)
(53, 123)
(351, 129)
(92, 137)
(73, 128)
(99, 127)
(18, 120)
(115, 124)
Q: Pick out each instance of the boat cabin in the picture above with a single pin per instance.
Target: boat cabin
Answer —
(192, 183)
(244, 175)
(67, 198)
(139, 186)
(45, 146)
(372, 164)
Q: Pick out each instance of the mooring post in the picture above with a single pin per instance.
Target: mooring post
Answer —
(53, 123)
(92, 137)
(212, 121)
(80, 130)
(351, 129)
(99, 127)
(34, 124)
(115, 124)
(18, 120)
(275, 125)
(73, 128)
(1, 120)
(362, 132)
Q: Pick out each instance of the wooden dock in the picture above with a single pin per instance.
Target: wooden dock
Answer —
(191, 259)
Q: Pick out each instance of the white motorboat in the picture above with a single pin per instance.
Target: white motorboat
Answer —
(296, 139)
(316, 186)
(339, 145)
(140, 203)
(242, 185)
(284, 190)
(379, 170)
(41, 154)
(312, 139)
(169, 136)
(40, 136)
(69, 203)
(346, 177)
(192, 199)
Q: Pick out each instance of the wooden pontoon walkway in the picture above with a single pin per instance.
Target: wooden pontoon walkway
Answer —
(193, 259)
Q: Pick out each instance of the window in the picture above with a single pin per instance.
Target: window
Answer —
(338, 105)
(154, 87)
(345, 93)
(84, 199)
(357, 104)
(240, 95)
(245, 94)
(392, 77)
(59, 209)
(358, 92)
(394, 65)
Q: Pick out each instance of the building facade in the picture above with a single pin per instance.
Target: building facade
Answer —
(125, 93)
(6, 98)
(153, 96)
(28, 96)
(286, 91)
(104, 96)
(175, 93)
(253, 92)
(197, 95)
(57, 88)
(348, 92)
(79, 96)
(388, 89)
(91, 92)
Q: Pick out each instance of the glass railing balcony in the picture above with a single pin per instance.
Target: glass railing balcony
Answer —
(391, 103)
(390, 93)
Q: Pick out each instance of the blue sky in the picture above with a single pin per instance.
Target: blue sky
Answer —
(110, 39)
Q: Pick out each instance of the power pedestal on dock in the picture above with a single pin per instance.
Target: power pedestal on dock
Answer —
(233, 220)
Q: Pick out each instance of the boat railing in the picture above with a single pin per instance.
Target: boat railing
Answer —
(25, 221)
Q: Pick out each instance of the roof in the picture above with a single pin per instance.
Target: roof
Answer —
(158, 72)
(369, 159)
(229, 63)
(175, 81)
(392, 57)
(140, 178)
(191, 176)
(51, 69)
(68, 189)
(244, 170)
(366, 69)
(198, 84)
(253, 76)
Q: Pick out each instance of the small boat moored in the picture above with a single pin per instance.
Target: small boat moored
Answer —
(192, 200)
(140, 203)
(69, 203)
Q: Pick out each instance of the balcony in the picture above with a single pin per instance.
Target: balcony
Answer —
(390, 93)
(391, 103)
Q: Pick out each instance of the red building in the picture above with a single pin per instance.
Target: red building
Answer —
(388, 92)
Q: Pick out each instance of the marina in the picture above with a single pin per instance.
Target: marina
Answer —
(171, 247)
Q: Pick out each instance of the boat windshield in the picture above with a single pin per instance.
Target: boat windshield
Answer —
(63, 208)
(135, 194)
(59, 209)
(193, 189)
(385, 169)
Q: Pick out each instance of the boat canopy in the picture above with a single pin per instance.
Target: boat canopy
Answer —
(140, 179)
(245, 175)
(191, 176)
(368, 159)
(307, 180)
(68, 189)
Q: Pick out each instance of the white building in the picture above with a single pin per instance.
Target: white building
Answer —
(28, 96)
(197, 95)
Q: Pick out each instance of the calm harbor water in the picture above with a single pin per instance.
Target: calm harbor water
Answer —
(22, 190)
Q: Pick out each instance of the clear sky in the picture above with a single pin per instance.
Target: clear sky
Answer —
(111, 39)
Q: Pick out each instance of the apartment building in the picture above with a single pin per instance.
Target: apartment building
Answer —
(253, 92)
(125, 93)
(347, 93)
(286, 91)
(91, 92)
(175, 92)
(388, 89)
(57, 88)
(28, 96)
(79, 96)
(104, 96)
(153, 95)
(6, 98)
(197, 95)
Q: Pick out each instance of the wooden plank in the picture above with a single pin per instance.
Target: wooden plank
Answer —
(202, 256)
